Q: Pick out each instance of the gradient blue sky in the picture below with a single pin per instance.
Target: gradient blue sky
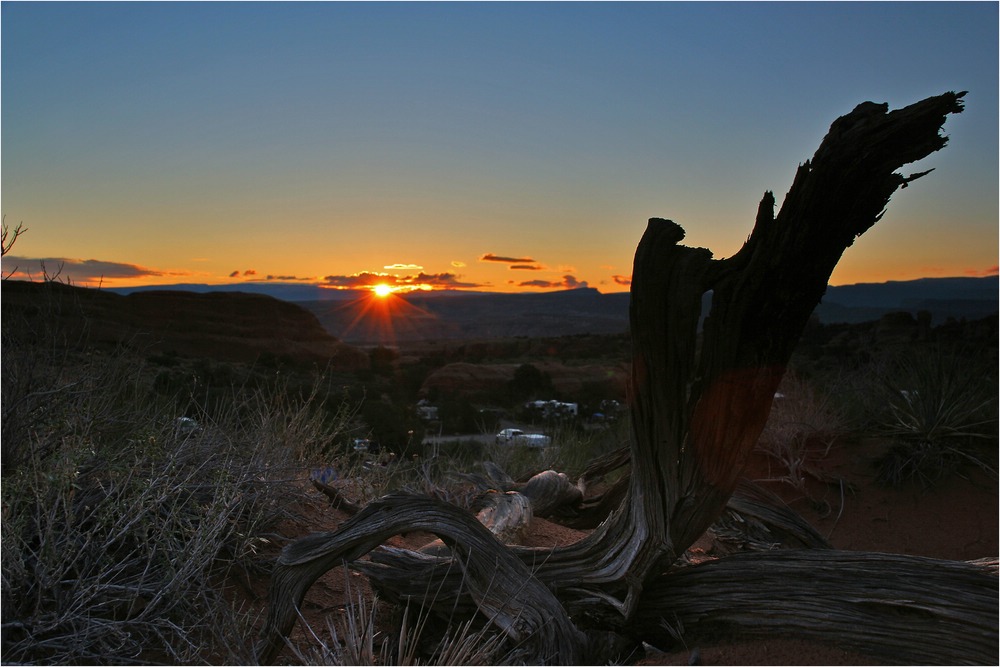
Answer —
(205, 142)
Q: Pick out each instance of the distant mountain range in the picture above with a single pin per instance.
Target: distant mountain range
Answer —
(354, 317)
(942, 297)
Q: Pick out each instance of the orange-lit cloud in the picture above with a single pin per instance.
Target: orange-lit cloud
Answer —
(358, 280)
(991, 271)
(490, 257)
(79, 270)
(238, 273)
(288, 278)
(368, 279)
(527, 267)
(403, 267)
(568, 282)
(458, 264)
(622, 280)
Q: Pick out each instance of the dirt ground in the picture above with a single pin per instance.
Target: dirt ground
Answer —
(958, 519)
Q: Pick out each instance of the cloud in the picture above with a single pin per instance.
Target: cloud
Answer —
(568, 282)
(622, 280)
(526, 267)
(367, 279)
(403, 267)
(444, 280)
(80, 270)
(458, 264)
(991, 271)
(358, 280)
(287, 278)
(490, 257)
(234, 274)
(538, 283)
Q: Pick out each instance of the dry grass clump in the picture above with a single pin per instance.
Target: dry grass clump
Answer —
(802, 427)
(356, 637)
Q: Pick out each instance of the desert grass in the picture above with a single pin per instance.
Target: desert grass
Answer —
(123, 525)
(359, 635)
(572, 449)
(803, 425)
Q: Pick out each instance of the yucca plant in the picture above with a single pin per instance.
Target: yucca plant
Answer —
(937, 407)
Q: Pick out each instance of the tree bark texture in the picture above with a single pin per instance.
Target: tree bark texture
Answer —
(699, 399)
(901, 609)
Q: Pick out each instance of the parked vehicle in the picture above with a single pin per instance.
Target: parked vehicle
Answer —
(515, 436)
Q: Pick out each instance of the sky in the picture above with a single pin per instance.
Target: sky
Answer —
(487, 146)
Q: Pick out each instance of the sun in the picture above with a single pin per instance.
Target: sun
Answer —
(382, 290)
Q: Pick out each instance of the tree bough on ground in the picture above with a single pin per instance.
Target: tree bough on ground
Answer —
(700, 400)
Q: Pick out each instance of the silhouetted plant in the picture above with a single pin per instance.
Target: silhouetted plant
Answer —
(800, 430)
(937, 406)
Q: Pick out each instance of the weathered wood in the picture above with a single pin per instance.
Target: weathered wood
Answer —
(699, 403)
(550, 490)
(503, 587)
(337, 498)
(506, 515)
(901, 609)
(787, 526)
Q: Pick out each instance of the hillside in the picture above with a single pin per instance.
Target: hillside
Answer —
(351, 315)
(225, 327)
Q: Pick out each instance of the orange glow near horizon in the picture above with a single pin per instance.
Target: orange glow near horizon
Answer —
(381, 315)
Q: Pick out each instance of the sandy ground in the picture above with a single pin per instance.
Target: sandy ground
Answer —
(958, 519)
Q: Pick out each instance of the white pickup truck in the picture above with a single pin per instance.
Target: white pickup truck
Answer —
(515, 436)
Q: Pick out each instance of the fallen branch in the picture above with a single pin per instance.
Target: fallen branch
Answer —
(504, 589)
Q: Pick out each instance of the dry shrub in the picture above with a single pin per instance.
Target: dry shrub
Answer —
(802, 427)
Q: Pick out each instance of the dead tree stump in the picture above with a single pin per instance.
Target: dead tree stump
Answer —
(700, 400)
